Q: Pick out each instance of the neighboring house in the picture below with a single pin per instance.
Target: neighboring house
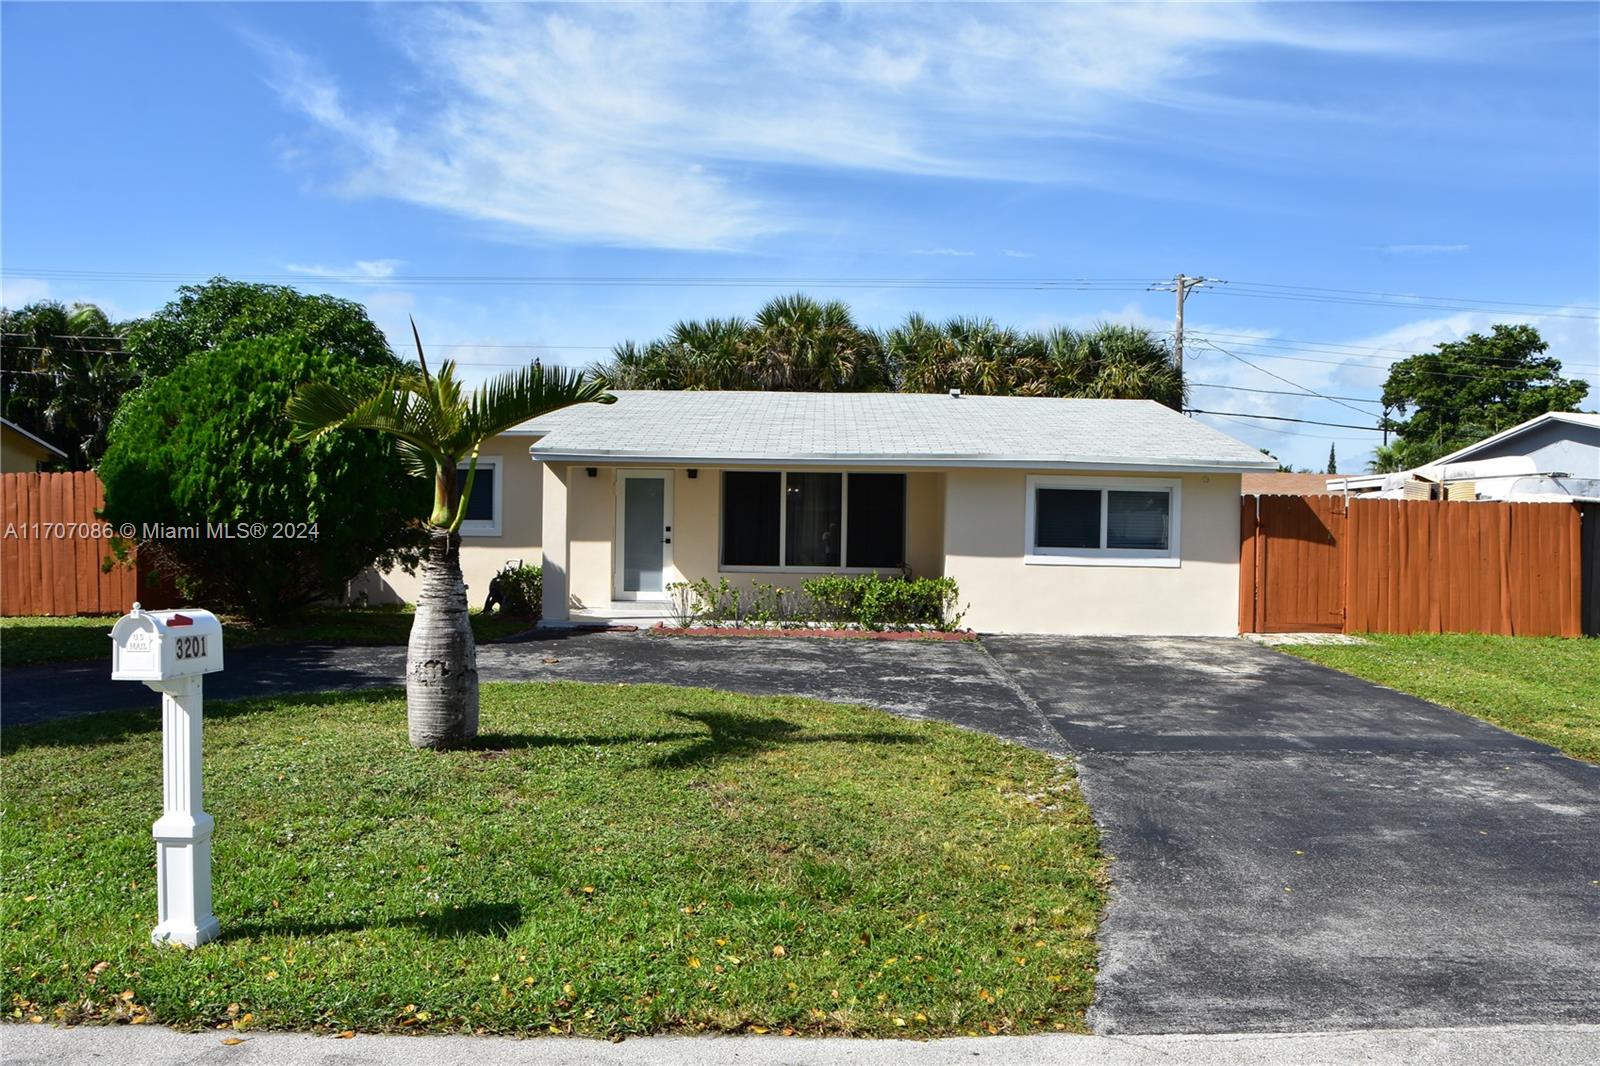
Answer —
(1053, 515)
(1282, 484)
(1552, 458)
(23, 453)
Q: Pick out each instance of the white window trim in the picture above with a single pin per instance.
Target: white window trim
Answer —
(1034, 555)
(490, 465)
(783, 526)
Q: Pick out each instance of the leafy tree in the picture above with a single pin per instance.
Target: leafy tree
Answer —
(211, 443)
(1469, 389)
(1283, 468)
(203, 317)
(64, 374)
(437, 426)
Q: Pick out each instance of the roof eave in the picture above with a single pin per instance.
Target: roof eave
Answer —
(913, 462)
(40, 441)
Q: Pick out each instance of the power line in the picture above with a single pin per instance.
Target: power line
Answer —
(1355, 352)
(1360, 301)
(1348, 362)
(1215, 347)
(1258, 290)
(1290, 432)
(1279, 418)
(1408, 296)
(1273, 392)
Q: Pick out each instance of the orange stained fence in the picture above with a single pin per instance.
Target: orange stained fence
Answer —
(52, 546)
(1324, 563)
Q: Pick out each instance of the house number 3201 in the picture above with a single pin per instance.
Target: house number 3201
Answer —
(191, 647)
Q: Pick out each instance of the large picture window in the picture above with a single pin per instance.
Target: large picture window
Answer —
(813, 521)
(1111, 521)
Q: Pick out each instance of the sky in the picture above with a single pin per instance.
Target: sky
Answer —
(526, 180)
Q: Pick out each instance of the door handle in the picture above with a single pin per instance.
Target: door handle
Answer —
(666, 540)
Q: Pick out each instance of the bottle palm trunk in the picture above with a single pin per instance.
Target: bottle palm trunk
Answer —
(442, 658)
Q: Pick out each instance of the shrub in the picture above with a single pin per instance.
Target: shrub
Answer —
(517, 591)
(874, 602)
(208, 444)
(683, 604)
(867, 600)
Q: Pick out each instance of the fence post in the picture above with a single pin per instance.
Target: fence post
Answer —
(1247, 564)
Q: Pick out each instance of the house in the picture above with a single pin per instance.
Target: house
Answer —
(1552, 458)
(1277, 483)
(23, 453)
(1053, 515)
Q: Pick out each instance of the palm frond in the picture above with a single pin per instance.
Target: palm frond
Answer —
(399, 409)
(517, 396)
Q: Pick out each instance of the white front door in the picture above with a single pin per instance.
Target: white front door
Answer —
(644, 534)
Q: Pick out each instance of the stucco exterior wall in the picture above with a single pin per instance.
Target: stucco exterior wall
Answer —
(968, 524)
(19, 455)
(521, 490)
(696, 536)
(591, 525)
(985, 538)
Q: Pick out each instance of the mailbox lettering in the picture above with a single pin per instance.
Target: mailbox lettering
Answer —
(191, 647)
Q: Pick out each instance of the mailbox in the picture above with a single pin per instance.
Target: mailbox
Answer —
(171, 652)
(162, 645)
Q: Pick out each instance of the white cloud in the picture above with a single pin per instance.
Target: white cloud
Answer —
(1424, 249)
(661, 126)
(1355, 366)
(360, 270)
(1010, 253)
(19, 292)
(942, 251)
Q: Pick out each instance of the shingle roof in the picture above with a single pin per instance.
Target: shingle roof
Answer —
(874, 428)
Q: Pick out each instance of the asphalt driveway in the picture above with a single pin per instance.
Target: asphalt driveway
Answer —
(1297, 849)
(1293, 849)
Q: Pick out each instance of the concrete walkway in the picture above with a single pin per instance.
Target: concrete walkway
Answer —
(37, 1045)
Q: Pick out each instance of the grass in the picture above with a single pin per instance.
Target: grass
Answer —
(24, 641)
(1545, 688)
(607, 860)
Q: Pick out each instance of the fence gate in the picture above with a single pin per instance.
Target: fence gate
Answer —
(1291, 572)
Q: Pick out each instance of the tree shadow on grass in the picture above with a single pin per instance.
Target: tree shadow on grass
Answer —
(470, 919)
(734, 736)
(726, 736)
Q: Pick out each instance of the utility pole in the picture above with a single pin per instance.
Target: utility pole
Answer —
(1181, 284)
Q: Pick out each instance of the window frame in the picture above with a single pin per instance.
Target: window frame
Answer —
(1034, 555)
(783, 523)
(479, 528)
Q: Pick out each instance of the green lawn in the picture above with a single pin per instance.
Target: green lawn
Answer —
(607, 860)
(1542, 687)
(42, 640)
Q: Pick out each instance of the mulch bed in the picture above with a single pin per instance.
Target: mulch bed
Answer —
(847, 634)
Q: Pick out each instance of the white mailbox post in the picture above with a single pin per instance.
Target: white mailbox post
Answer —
(171, 651)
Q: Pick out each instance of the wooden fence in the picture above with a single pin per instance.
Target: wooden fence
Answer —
(1327, 564)
(52, 546)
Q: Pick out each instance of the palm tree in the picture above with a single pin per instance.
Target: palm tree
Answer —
(1112, 362)
(794, 343)
(436, 426)
(64, 373)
